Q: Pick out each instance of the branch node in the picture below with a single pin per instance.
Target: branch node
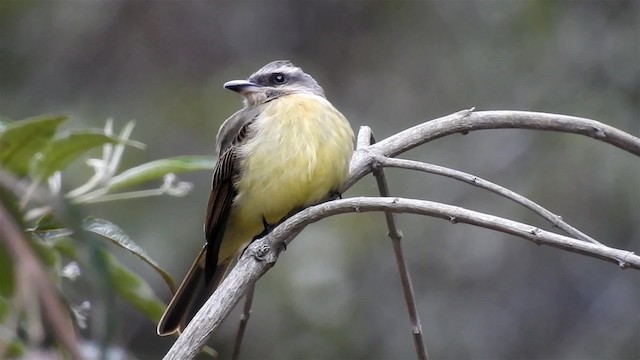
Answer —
(261, 252)
(417, 330)
(598, 133)
(375, 165)
(467, 112)
(623, 263)
(535, 232)
(397, 235)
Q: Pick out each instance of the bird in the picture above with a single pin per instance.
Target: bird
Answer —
(286, 149)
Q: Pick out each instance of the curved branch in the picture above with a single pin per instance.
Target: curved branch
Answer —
(248, 269)
(554, 219)
(262, 254)
(453, 214)
(469, 120)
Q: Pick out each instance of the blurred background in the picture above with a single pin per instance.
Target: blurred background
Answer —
(335, 292)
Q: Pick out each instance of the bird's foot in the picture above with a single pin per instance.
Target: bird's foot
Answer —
(266, 229)
(334, 195)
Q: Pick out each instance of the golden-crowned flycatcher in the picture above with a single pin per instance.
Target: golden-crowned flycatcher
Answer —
(287, 148)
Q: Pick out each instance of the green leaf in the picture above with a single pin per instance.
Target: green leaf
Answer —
(47, 222)
(20, 140)
(5, 307)
(64, 150)
(133, 288)
(57, 240)
(7, 279)
(112, 232)
(65, 246)
(49, 256)
(48, 236)
(15, 349)
(158, 168)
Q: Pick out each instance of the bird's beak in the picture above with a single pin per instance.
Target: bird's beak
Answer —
(242, 86)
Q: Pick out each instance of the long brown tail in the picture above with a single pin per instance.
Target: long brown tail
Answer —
(191, 295)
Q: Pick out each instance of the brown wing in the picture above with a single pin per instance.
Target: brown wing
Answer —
(220, 199)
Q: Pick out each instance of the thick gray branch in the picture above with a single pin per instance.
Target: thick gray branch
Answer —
(468, 120)
(262, 254)
(248, 269)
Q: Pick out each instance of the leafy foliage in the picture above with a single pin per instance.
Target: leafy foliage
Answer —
(112, 232)
(33, 152)
(21, 140)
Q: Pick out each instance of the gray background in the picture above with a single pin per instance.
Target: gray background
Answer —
(389, 65)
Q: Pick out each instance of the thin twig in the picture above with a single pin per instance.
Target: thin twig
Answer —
(244, 319)
(405, 278)
(554, 219)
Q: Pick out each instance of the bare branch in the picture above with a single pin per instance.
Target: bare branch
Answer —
(468, 120)
(267, 249)
(262, 254)
(454, 214)
(405, 278)
(554, 219)
(244, 320)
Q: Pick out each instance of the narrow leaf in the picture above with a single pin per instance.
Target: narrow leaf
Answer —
(133, 288)
(65, 246)
(51, 234)
(64, 150)
(58, 240)
(15, 349)
(20, 140)
(157, 169)
(112, 232)
(49, 256)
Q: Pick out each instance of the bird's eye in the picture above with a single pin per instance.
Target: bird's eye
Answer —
(278, 78)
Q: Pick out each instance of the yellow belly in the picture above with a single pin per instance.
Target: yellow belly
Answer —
(300, 152)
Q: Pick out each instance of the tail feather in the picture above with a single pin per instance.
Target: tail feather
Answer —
(191, 295)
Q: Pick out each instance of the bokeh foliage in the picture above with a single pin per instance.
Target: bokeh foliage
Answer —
(33, 152)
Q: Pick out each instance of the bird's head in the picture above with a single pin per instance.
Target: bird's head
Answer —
(273, 80)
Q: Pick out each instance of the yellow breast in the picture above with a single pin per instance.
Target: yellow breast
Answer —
(299, 151)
